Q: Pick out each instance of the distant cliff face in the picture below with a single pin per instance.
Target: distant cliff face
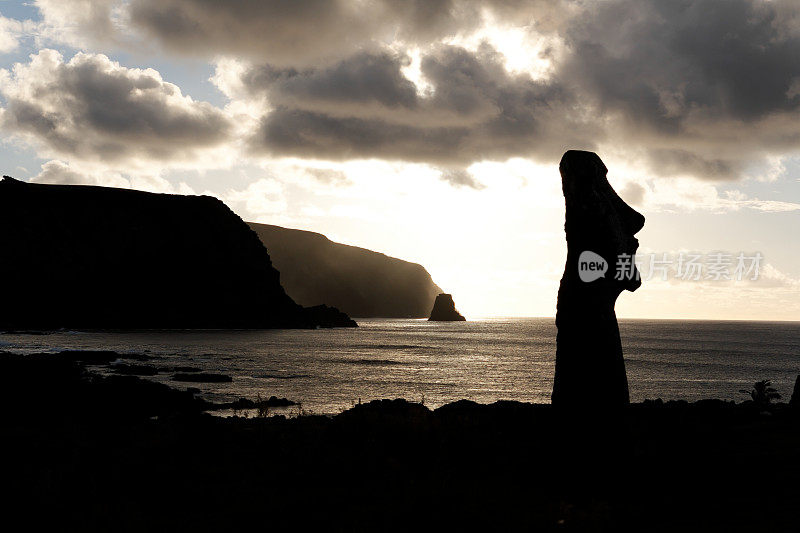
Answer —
(96, 257)
(444, 310)
(360, 282)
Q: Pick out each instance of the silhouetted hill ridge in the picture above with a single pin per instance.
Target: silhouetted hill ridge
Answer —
(360, 282)
(79, 256)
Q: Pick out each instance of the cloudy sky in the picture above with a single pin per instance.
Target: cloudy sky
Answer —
(431, 130)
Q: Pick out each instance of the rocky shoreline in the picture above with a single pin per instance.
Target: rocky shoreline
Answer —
(119, 452)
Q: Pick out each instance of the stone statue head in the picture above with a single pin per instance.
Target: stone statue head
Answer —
(599, 220)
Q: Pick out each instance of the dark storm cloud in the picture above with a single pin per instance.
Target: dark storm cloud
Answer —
(700, 87)
(669, 162)
(703, 86)
(460, 177)
(305, 32)
(92, 108)
(328, 176)
(286, 131)
(668, 58)
(364, 107)
(292, 32)
(286, 32)
(363, 79)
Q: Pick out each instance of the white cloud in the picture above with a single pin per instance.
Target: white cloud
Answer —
(93, 109)
(770, 277)
(683, 192)
(261, 201)
(62, 173)
(687, 194)
(82, 24)
(10, 32)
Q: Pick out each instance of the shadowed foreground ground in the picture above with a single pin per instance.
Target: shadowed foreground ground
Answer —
(85, 452)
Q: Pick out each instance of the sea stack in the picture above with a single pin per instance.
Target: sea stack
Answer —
(444, 310)
(83, 257)
(600, 228)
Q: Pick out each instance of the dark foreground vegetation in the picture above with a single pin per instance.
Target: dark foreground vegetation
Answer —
(118, 453)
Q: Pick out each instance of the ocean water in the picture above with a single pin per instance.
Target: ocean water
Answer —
(481, 360)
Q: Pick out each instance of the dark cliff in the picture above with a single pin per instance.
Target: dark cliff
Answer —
(444, 310)
(362, 283)
(96, 257)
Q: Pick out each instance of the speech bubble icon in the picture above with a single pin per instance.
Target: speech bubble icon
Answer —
(591, 266)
